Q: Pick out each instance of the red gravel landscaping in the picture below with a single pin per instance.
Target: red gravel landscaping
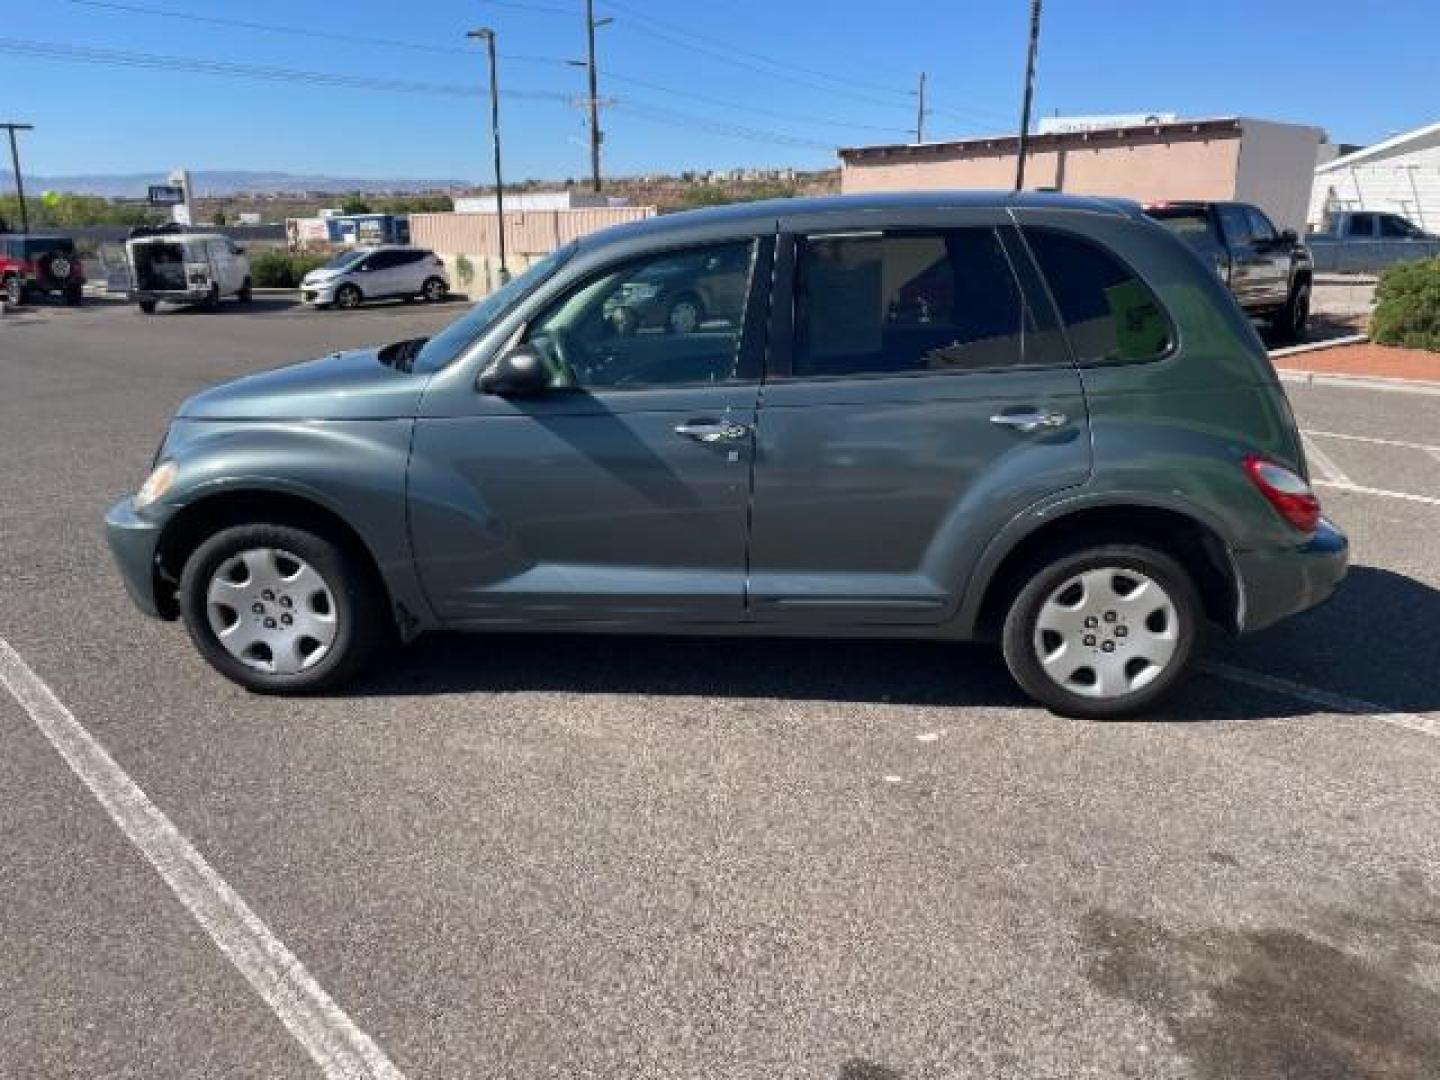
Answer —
(1384, 361)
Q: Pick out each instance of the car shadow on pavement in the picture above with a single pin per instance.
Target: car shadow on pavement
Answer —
(1375, 641)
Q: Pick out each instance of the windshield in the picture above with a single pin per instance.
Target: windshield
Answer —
(344, 259)
(450, 342)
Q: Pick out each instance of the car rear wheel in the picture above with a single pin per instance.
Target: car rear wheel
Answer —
(14, 291)
(279, 609)
(1104, 633)
(147, 306)
(74, 295)
(434, 290)
(246, 293)
(348, 296)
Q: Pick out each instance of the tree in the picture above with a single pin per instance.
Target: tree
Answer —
(355, 204)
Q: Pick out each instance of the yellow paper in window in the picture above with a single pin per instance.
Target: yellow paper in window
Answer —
(1139, 327)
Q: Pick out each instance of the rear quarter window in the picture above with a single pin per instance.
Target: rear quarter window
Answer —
(1110, 315)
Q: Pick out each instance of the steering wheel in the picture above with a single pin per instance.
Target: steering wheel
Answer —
(563, 352)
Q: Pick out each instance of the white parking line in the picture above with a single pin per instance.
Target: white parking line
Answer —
(1372, 439)
(1327, 466)
(341, 1049)
(1383, 492)
(1338, 703)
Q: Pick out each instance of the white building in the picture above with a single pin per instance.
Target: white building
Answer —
(1400, 175)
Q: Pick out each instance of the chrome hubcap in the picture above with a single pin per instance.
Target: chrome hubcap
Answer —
(272, 611)
(1107, 632)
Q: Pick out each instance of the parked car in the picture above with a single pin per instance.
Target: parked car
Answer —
(40, 266)
(1270, 272)
(185, 268)
(1082, 452)
(1366, 242)
(679, 296)
(376, 273)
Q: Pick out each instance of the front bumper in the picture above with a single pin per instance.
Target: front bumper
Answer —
(1280, 583)
(322, 292)
(134, 541)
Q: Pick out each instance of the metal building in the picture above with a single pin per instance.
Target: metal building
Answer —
(1400, 175)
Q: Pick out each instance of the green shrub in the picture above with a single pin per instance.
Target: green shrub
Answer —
(281, 269)
(1407, 306)
(465, 271)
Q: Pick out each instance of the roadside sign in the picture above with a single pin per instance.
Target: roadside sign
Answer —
(166, 195)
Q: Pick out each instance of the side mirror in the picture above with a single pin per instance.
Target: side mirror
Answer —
(1289, 236)
(518, 373)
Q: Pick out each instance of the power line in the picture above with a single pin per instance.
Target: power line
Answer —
(305, 32)
(231, 69)
(723, 103)
(200, 66)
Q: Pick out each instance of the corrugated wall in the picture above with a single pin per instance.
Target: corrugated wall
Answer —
(527, 232)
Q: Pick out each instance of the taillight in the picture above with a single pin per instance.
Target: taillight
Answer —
(1286, 491)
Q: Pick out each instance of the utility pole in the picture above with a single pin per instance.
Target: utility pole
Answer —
(1028, 95)
(596, 135)
(19, 180)
(488, 36)
(920, 113)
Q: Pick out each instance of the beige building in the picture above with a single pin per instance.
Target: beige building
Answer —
(1269, 164)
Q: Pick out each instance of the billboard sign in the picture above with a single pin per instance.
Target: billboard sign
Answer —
(166, 195)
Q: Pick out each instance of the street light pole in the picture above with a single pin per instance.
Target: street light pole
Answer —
(1029, 94)
(920, 113)
(488, 36)
(19, 180)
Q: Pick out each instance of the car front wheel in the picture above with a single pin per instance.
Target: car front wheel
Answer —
(348, 296)
(1104, 633)
(279, 609)
(434, 290)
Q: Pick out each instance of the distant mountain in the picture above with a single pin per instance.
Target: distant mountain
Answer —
(222, 182)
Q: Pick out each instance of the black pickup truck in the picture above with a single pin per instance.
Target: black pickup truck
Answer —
(1269, 272)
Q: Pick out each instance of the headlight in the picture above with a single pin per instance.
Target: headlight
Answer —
(156, 485)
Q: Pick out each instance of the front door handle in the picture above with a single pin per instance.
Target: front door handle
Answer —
(713, 431)
(1030, 421)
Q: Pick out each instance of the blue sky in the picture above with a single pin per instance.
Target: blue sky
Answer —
(844, 72)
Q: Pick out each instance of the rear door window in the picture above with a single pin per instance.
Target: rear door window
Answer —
(906, 303)
(1392, 227)
(1110, 315)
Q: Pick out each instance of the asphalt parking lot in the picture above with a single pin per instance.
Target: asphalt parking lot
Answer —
(604, 857)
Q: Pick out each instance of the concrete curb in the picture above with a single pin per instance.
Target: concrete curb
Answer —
(1318, 346)
(1360, 382)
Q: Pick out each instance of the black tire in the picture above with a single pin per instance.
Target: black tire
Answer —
(74, 295)
(246, 293)
(679, 305)
(1021, 649)
(147, 306)
(359, 613)
(434, 290)
(14, 291)
(348, 296)
(212, 299)
(624, 321)
(1292, 321)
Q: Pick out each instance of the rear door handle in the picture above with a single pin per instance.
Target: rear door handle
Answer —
(713, 431)
(1030, 421)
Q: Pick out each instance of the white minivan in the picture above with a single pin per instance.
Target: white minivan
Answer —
(373, 273)
(186, 268)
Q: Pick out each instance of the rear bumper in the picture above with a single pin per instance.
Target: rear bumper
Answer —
(133, 541)
(1277, 584)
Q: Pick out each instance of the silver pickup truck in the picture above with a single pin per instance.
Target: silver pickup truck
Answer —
(1367, 241)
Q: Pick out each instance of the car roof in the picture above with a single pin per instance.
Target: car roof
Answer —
(747, 212)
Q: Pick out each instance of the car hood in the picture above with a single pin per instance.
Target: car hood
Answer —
(354, 385)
